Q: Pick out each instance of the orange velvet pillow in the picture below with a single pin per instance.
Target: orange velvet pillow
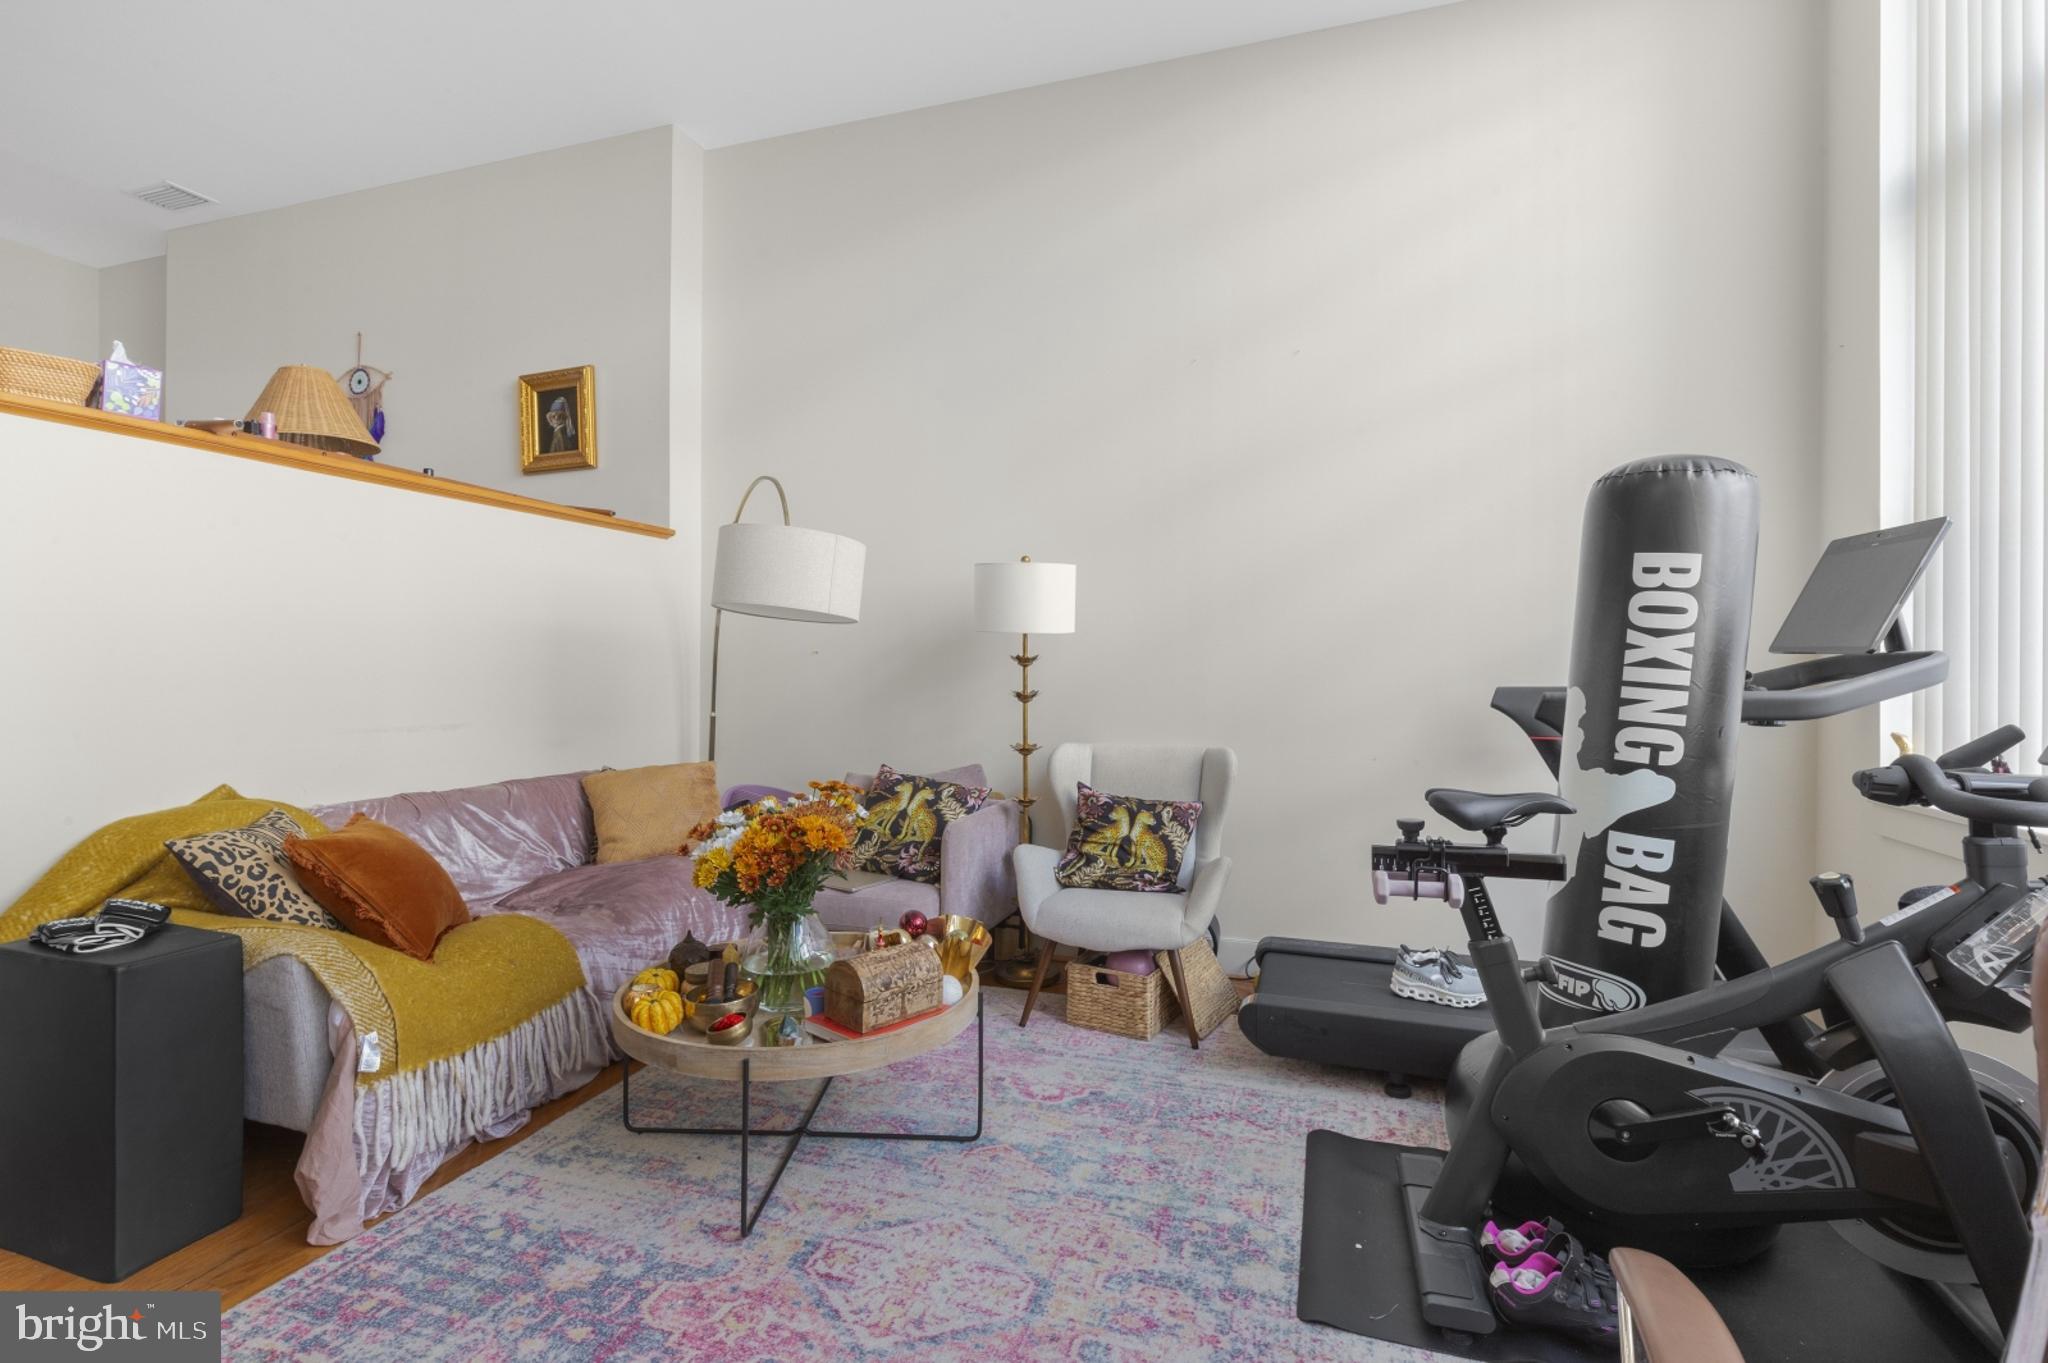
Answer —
(381, 884)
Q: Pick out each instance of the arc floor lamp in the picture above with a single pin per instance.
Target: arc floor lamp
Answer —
(781, 572)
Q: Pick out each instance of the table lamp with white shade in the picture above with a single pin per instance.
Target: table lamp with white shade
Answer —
(782, 572)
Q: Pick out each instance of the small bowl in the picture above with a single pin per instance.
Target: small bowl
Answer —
(733, 1035)
(707, 1013)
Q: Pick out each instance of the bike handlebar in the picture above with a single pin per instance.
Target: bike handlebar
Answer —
(1959, 793)
(1979, 751)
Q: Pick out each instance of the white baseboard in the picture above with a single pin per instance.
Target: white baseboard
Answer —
(1235, 954)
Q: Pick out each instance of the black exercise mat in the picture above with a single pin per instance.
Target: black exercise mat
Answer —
(1809, 1296)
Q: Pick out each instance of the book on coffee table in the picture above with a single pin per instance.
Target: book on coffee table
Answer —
(820, 1025)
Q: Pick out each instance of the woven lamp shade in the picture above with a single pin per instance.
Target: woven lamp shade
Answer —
(312, 410)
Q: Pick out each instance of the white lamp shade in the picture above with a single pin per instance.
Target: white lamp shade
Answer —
(786, 572)
(1024, 598)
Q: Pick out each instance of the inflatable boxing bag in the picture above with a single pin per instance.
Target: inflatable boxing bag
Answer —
(1660, 634)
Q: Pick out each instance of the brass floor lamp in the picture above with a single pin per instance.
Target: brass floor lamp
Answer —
(1023, 598)
(783, 572)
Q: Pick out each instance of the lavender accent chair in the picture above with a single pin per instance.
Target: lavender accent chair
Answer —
(975, 879)
(1126, 920)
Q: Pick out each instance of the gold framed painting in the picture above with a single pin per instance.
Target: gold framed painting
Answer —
(558, 420)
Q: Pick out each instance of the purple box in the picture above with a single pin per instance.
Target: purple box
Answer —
(131, 389)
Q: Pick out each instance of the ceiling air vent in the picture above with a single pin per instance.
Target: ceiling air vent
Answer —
(166, 195)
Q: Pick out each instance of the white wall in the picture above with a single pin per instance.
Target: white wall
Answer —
(131, 310)
(305, 638)
(48, 304)
(460, 283)
(1306, 353)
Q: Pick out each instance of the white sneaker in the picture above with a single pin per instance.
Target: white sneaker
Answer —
(1433, 975)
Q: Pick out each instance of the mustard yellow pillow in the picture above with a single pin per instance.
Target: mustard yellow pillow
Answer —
(128, 858)
(649, 811)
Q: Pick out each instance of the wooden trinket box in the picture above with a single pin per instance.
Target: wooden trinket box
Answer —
(885, 986)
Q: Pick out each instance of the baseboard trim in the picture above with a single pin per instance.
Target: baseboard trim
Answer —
(1235, 954)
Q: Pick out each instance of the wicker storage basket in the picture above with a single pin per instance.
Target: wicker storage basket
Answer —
(1215, 997)
(1136, 1006)
(54, 378)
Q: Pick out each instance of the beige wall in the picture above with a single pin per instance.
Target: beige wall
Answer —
(1306, 354)
(460, 283)
(48, 304)
(307, 638)
(131, 310)
(63, 308)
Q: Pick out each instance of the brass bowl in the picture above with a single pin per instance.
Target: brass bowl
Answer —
(733, 1035)
(963, 941)
(704, 1014)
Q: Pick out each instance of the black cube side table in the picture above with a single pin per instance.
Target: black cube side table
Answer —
(120, 1100)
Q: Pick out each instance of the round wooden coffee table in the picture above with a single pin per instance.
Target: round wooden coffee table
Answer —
(686, 1051)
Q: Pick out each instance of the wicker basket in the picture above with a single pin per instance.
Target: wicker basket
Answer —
(1215, 997)
(1136, 1006)
(24, 373)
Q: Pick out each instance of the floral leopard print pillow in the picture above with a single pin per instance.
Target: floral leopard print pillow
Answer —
(1123, 843)
(906, 822)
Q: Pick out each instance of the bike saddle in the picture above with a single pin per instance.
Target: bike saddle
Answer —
(1469, 809)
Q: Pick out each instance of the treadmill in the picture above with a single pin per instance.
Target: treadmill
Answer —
(1332, 1002)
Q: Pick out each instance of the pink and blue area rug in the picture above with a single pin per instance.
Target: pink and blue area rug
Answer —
(1127, 1201)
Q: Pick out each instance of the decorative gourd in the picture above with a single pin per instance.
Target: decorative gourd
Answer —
(658, 1012)
(661, 976)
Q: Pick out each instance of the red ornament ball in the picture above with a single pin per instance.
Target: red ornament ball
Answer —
(913, 923)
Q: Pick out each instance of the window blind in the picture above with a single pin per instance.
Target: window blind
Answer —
(1980, 291)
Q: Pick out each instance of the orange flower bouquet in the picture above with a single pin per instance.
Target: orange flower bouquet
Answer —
(772, 857)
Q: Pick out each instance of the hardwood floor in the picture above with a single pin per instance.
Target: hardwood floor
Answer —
(268, 1241)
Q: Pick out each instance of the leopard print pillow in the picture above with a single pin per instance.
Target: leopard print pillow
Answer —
(906, 822)
(244, 872)
(1122, 843)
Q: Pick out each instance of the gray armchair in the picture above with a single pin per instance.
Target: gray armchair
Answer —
(1122, 920)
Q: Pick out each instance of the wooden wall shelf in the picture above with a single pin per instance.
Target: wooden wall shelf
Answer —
(316, 461)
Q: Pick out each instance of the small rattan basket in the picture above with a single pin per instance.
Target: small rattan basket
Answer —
(25, 373)
(1136, 1006)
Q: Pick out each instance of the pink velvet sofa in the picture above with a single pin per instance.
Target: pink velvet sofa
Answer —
(526, 846)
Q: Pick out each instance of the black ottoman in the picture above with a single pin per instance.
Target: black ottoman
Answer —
(120, 1100)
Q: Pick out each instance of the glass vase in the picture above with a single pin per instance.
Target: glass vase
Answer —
(789, 957)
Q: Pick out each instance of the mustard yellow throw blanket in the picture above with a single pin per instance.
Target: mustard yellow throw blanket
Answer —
(488, 977)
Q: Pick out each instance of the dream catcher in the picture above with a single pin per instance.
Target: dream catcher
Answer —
(364, 385)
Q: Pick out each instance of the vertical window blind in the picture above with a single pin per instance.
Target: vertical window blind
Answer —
(1979, 294)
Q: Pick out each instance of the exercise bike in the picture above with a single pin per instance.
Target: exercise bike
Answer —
(1637, 1128)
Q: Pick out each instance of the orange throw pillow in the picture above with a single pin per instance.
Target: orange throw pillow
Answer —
(649, 811)
(381, 884)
